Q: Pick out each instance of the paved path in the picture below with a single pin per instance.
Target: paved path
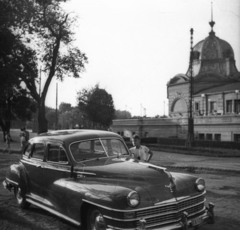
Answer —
(195, 162)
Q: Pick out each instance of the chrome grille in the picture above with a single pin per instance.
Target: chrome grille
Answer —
(173, 212)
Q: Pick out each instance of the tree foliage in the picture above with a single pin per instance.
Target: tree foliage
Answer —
(97, 105)
(15, 101)
(70, 117)
(64, 107)
(46, 30)
(119, 114)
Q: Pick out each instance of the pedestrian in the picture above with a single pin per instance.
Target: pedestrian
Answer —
(22, 136)
(8, 142)
(140, 152)
(26, 134)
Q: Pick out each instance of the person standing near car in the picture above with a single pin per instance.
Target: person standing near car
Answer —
(8, 142)
(140, 152)
(26, 134)
(22, 136)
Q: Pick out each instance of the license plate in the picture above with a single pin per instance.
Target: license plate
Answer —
(197, 221)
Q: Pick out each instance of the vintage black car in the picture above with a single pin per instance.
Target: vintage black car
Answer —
(88, 178)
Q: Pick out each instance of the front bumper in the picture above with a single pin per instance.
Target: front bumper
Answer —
(185, 223)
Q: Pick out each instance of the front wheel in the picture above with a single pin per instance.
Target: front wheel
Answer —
(21, 199)
(95, 220)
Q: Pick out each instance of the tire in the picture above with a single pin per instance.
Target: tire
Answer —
(95, 220)
(21, 199)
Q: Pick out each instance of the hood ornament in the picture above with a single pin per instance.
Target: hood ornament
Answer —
(170, 186)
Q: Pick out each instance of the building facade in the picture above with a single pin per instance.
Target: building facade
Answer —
(216, 97)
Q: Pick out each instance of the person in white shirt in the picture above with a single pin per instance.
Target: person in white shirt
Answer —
(140, 152)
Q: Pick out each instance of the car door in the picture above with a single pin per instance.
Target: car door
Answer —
(56, 170)
(34, 165)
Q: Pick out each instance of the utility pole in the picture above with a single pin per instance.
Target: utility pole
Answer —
(56, 126)
(40, 78)
(190, 115)
(164, 108)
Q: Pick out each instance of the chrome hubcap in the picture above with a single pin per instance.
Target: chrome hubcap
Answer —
(97, 221)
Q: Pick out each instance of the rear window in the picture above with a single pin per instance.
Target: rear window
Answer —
(38, 151)
(28, 150)
(57, 154)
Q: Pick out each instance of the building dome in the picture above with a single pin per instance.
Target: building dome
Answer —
(212, 47)
(213, 55)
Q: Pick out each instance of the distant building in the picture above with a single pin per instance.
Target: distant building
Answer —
(216, 98)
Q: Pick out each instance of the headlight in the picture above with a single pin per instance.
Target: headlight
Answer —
(133, 199)
(200, 184)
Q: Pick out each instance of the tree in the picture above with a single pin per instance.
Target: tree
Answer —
(97, 105)
(122, 114)
(63, 107)
(44, 25)
(14, 99)
(51, 117)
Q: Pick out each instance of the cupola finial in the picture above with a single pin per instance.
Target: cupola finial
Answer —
(212, 23)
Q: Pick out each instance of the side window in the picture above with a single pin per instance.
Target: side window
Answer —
(56, 154)
(38, 151)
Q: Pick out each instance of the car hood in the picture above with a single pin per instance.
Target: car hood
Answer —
(155, 182)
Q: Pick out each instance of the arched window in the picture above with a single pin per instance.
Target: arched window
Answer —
(179, 106)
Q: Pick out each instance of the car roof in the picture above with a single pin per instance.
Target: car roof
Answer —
(76, 135)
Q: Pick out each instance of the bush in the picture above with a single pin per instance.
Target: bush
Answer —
(149, 140)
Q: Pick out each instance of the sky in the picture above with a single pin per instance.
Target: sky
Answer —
(134, 47)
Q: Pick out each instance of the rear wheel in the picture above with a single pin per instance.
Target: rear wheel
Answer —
(21, 199)
(95, 219)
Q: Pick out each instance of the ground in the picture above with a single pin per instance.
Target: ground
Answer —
(223, 189)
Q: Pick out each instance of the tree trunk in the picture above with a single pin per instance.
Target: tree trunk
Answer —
(42, 121)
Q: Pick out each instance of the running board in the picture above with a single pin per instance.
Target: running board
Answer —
(53, 212)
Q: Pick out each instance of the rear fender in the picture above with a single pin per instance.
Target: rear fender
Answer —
(17, 176)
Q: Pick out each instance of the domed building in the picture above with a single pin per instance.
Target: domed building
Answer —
(215, 97)
(216, 87)
(216, 80)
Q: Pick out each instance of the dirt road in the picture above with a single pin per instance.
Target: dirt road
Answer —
(223, 190)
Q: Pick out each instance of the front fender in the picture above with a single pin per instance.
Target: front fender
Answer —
(16, 175)
(107, 196)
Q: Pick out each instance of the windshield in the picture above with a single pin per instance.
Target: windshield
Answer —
(86, 150)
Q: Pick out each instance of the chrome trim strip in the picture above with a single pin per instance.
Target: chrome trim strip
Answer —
(166, 202)
(57, 162)
(111, 209)
(124, 220)
(179, 201)
(39, 199)
(167, 222)
(192, 206)
(54, 212)
(57, 169)
(114, 228)
(29, 162)
(46, 165)
(11, 181)
(85, 173)
(169, 213)
(204, 209)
